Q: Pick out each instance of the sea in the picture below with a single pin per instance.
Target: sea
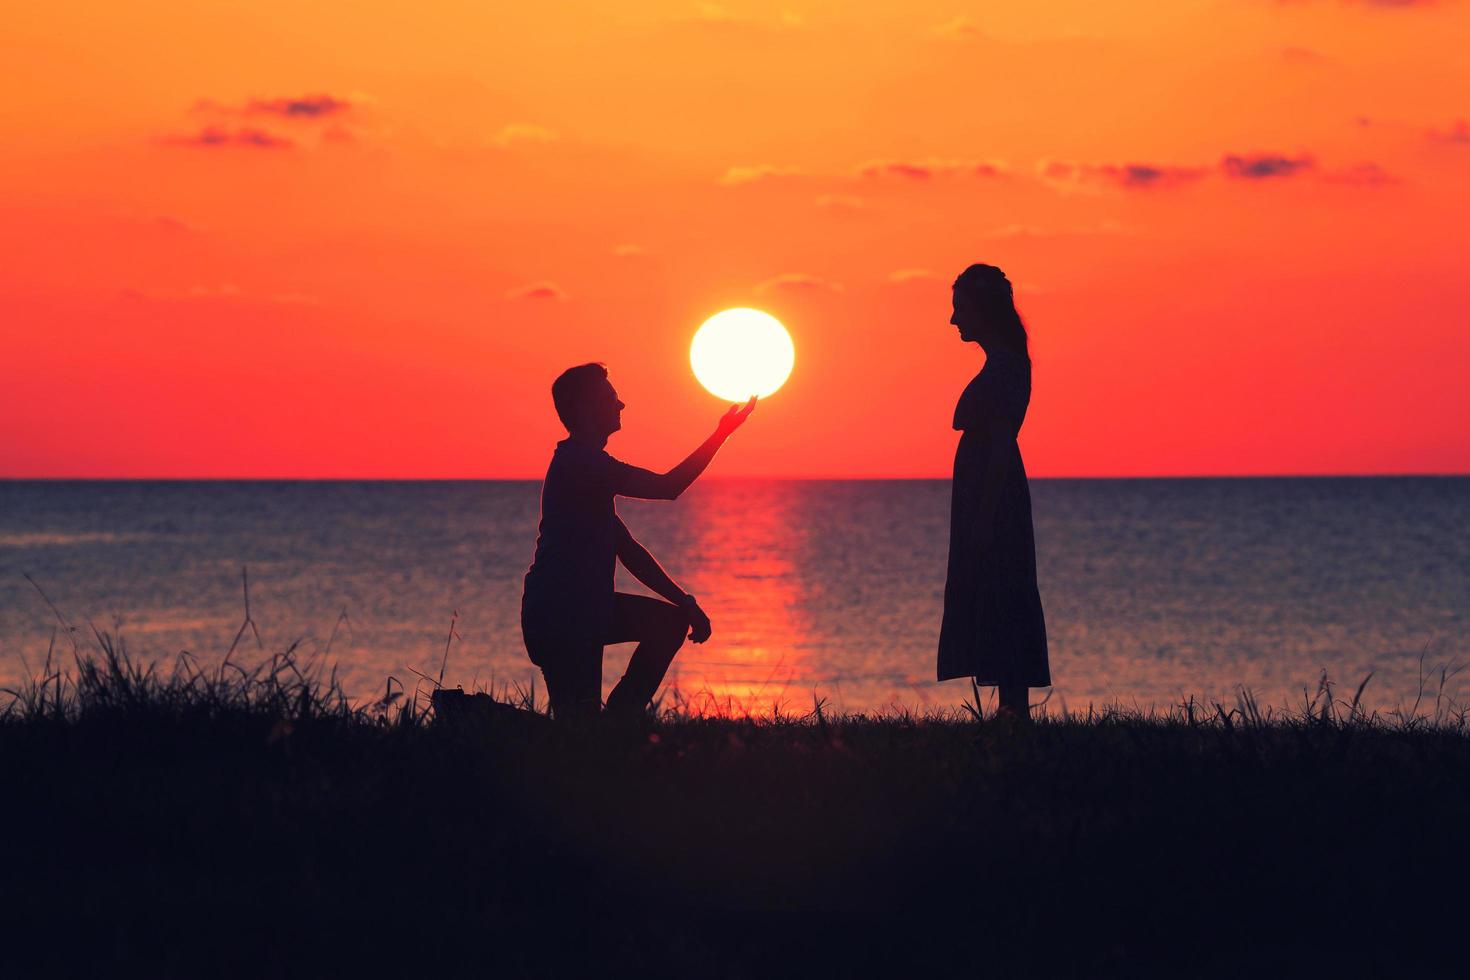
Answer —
(1157, 592)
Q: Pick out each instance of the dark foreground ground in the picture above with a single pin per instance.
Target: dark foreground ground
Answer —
(223, 826)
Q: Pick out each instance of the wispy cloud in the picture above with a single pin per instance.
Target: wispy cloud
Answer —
(761, 171)
(798, 282)
(1246, 167)
(230, 123)
(628, 251)
(915, 170)
(1129, 176)
(542, 290)
(1458, 134)
(304, 107)
(926, 169)
(1264, 166)
(1071, 174)
(896, 168)
(218, 136)
(912, 275)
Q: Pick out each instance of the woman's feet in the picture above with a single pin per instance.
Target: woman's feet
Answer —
(1010, 718)
(1015, 704)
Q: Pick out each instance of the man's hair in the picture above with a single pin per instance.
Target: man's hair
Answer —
(570, 390)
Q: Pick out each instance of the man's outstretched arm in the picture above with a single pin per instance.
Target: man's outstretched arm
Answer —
(646, 569)
(636, 482)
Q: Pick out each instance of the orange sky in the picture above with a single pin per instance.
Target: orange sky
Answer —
(360, 239)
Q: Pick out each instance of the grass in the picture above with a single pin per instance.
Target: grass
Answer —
(254, 820)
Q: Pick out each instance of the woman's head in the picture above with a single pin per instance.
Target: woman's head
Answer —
(985, 309)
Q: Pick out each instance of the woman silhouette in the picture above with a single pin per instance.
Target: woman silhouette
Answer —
(993, 629)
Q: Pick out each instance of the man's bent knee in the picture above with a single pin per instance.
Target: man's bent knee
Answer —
(678, 625)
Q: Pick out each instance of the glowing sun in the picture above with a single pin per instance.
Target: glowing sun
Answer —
(742, 352)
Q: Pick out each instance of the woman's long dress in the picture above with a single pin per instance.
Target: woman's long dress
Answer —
(994, 629)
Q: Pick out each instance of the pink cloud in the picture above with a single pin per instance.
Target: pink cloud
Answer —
(1263, 166)
(218, 136)
(1457, 134)
(1130, 176)
(798, 282)
(758, 172)
(305, 107)
(541, 290)
(925, 169)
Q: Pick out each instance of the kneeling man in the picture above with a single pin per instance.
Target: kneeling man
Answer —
(569, 610)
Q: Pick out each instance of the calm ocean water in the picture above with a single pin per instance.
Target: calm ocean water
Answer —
(1154, 589)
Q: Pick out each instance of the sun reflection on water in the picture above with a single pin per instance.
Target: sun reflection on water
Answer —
(749, 585)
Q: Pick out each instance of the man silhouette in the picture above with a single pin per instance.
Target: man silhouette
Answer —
(569, 610)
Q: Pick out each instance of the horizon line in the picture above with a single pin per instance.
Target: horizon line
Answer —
(743, 477)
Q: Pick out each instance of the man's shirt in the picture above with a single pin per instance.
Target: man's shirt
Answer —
(569, 587)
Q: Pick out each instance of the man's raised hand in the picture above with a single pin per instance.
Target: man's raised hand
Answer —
(735, 417)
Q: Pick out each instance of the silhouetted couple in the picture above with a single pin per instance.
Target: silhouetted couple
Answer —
(993, 629)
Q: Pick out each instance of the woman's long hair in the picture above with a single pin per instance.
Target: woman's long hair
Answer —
(987, 290)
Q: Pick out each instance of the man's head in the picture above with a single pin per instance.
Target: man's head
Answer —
(586, 402)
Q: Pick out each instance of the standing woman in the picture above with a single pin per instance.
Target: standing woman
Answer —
(993, 629)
